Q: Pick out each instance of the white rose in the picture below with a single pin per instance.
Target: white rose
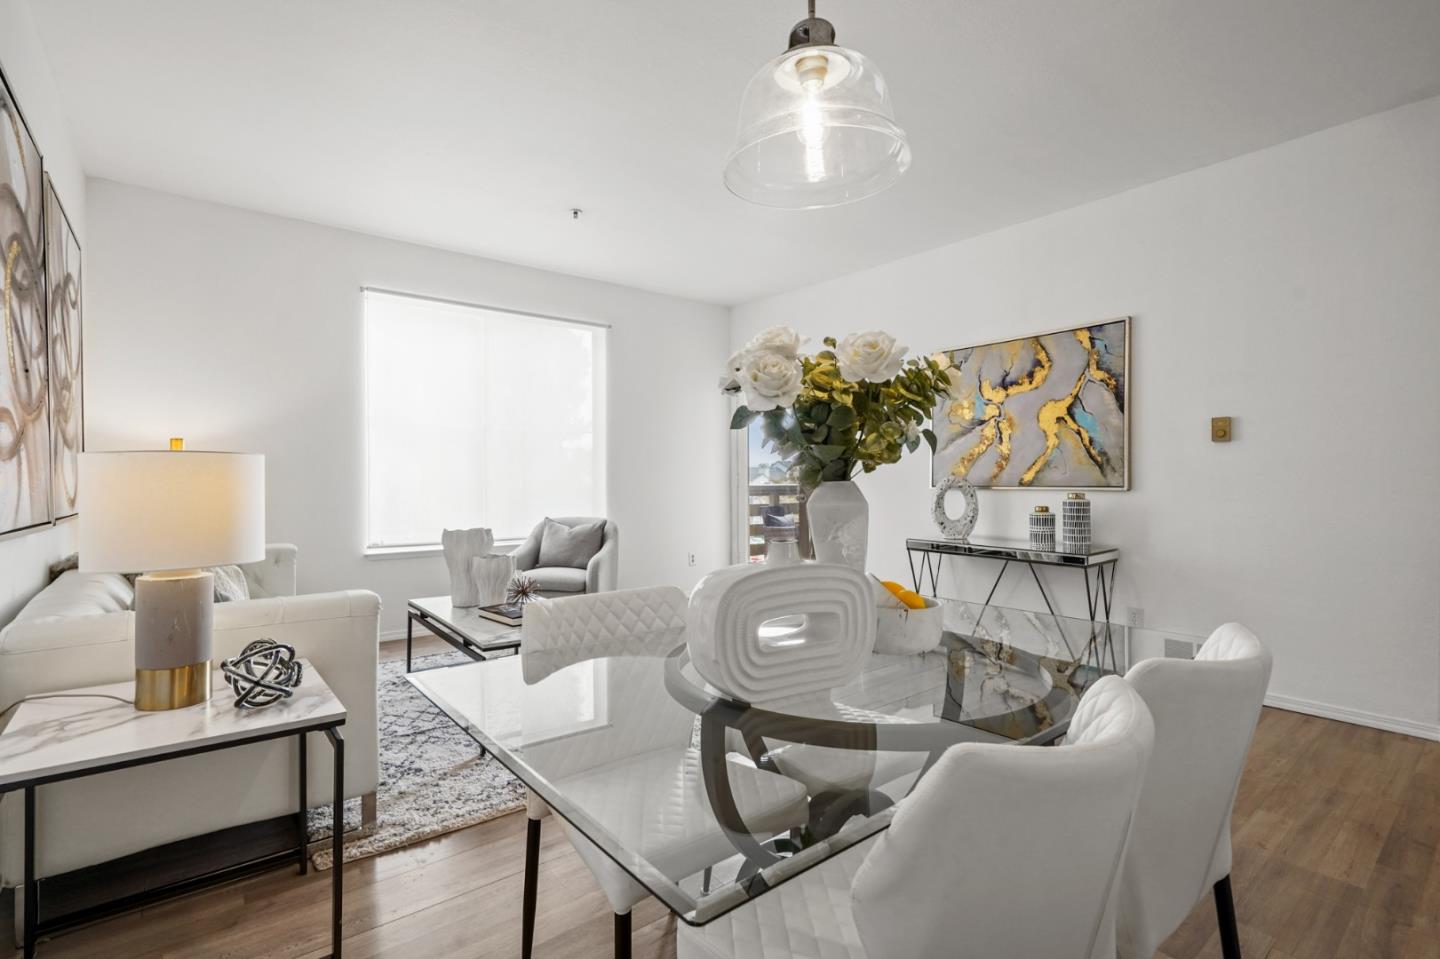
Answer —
(769, 380)
(942, 360)
(777, 339)
(730, 379)
(873, 356)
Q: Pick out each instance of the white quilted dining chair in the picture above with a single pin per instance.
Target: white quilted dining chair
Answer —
(1205, 714)
(640, 784)
(1000, 852)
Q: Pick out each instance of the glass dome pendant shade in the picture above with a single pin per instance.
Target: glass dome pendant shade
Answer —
(816, 127)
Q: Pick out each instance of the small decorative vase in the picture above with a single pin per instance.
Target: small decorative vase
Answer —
(1042, 529)
(839, 523)
(491, 575)
(461, 546)
(956, 529)
(782, 552)
(1075, 524)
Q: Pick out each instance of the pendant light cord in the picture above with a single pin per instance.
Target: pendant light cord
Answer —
(812, 9)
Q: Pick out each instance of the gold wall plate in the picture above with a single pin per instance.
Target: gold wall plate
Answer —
(1220, 429)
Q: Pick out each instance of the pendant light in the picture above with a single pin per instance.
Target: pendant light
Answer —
(816, 127)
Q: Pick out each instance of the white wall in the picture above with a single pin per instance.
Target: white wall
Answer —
(1296, 289)
(25, 557)
(241, 330)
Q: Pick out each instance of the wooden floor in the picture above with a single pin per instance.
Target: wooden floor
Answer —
(1337, 834)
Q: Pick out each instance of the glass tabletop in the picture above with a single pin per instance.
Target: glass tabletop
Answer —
(709, 802)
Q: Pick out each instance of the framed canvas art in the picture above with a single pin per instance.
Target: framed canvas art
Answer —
(1044, 411)
(24, 388)
(64, 305)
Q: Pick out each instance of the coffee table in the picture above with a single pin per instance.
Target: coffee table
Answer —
(461, 627)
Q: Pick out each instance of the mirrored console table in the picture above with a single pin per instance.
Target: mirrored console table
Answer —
(927, 556)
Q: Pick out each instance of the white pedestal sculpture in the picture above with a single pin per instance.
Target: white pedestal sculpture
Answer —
(491, 574)
(461, 546)
(762, 632)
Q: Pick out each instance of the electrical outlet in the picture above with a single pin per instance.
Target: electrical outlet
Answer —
(692, 559)
(1134, 616)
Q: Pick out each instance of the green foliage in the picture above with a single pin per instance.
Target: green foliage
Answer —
(840, 427)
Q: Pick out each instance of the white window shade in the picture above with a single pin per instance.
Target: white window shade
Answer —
(478, 417)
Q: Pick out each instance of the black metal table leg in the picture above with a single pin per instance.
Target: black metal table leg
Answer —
(532, 877)
(302, 827)
(32, 887)
(991, 594)
(337, 839)
(409, 638)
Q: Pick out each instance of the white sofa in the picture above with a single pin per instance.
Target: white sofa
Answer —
(79, 631)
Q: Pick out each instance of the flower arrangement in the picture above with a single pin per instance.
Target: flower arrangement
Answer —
(855, 405)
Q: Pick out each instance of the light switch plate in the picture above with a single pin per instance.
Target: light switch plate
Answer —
(1220, 431)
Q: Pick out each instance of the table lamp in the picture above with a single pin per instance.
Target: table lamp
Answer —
(166, 513)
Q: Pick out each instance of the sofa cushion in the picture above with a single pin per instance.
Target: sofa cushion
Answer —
(558, 579)
(79, 594)
(572, 546)
(230, 584)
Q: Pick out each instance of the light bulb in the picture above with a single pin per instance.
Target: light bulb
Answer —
(811, 72)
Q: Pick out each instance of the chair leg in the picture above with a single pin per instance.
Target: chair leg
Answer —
(622, 935)
(1225, 913)
(532, 876)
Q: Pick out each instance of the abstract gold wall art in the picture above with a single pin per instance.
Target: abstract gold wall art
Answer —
(1047, 411)
(24, 390)
(67, 396)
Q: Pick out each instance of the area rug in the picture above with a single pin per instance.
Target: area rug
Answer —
(433, 779)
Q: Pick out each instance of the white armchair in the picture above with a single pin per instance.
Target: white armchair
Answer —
(600, 575)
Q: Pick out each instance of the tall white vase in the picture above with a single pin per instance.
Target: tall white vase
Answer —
(839, 523)
(461, 546)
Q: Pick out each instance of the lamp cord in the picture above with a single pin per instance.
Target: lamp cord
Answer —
(118, 699)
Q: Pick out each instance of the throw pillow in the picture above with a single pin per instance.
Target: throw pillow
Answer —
(562, 545)
(230, 584)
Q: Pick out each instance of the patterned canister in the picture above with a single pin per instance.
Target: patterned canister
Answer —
(1075, 524)
(1042, 529)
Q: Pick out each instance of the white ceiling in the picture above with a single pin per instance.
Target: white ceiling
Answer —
(475, 125)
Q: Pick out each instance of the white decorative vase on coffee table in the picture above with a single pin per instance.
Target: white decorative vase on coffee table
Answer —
(460, 547)
(491, 575)
(839, 523)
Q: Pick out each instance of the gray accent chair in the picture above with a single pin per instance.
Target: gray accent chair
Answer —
(599, 576)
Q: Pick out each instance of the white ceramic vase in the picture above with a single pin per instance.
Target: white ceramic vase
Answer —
(460, 547)
(491, 575)
(839, 523)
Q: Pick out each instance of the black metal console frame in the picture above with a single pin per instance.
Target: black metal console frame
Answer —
(1098, 597)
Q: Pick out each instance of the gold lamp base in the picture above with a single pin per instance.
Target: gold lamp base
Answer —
(176, 688)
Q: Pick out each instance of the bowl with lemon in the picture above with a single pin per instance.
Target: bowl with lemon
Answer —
(908, 622)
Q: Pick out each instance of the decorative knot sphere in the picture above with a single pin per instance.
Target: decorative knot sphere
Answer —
(265, 672)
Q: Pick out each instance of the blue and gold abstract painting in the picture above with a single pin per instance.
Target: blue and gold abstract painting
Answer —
(1040, 411)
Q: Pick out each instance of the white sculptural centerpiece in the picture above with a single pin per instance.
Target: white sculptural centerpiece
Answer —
(762, 632)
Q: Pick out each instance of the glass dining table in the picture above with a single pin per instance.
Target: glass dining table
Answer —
(999, 676)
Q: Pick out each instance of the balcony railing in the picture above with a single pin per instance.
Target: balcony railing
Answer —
(780, 502)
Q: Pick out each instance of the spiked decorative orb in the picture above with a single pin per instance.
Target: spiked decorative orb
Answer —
(523, 589)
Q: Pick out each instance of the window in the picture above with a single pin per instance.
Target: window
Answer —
(478, 417)
(771, 498)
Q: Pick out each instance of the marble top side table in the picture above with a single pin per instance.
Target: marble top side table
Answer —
(83, 732)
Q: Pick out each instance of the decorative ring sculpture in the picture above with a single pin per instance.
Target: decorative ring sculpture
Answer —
(956, 529)
(265, 672)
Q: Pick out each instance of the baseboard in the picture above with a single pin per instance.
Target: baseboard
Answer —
(390, 635)
(1356, 717)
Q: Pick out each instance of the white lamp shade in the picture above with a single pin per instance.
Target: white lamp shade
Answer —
(147, 511)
